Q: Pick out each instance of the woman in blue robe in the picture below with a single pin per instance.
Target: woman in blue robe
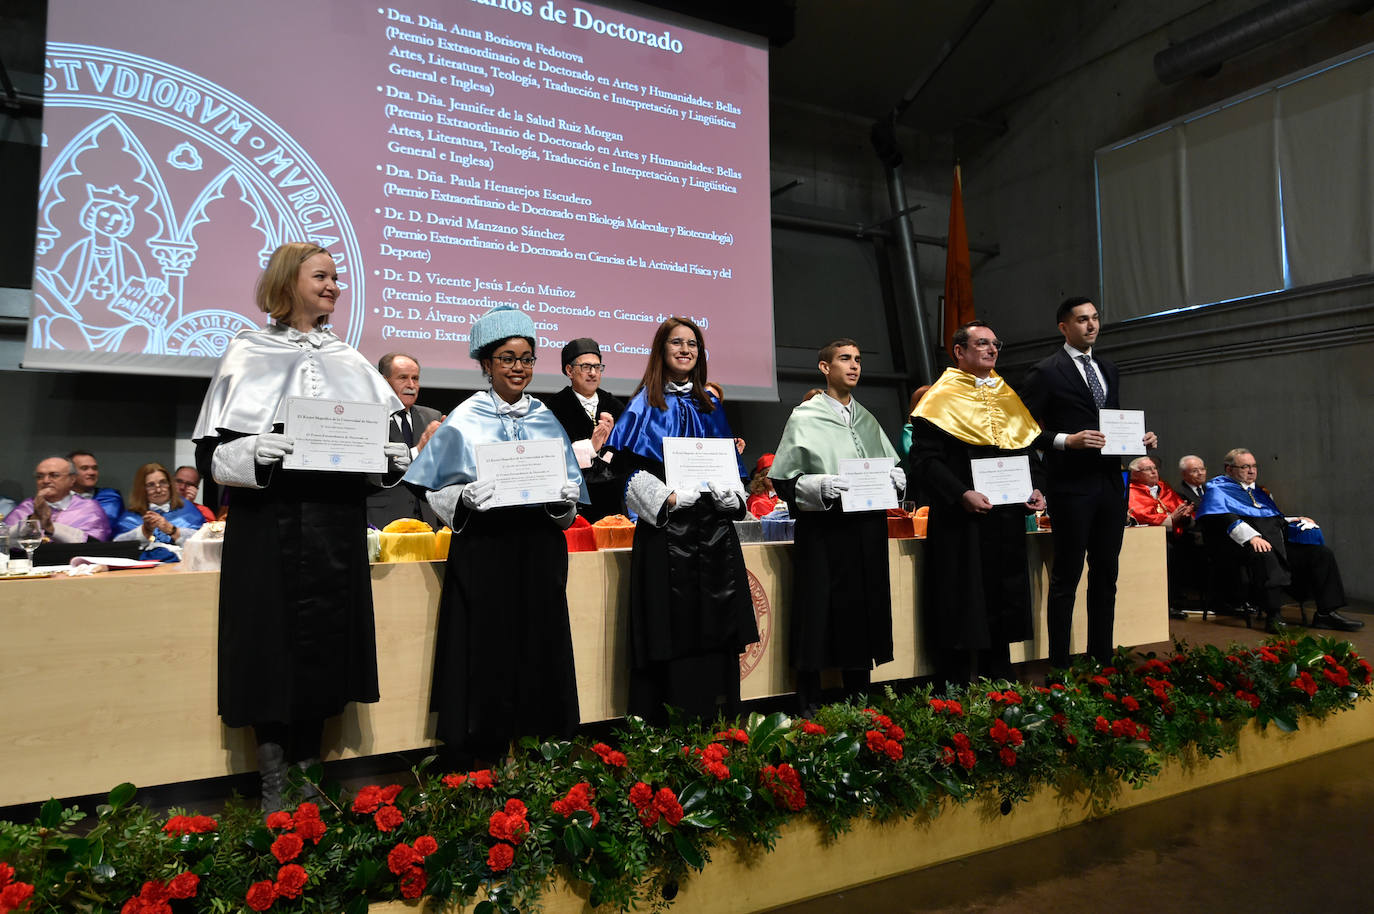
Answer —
(503, 657)
(691, 614)
(157, 516)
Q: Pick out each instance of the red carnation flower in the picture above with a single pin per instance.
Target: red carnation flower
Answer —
(413, 882)
(966, 758)
(287, 847)
(1102, 725)
(893, 750)
(1130, 704)
(666, 804)
(1014, 735)
(15, 896)
(310, 829)
(1109, 696)
(368, 799)
(387, 818)
(612, 757)
(1306, 683)
(455, 780)
(290, 881)
(183, 885)
(277, 820)
(1337, 676)
(875, 739)
(812, 729)
(949, 756)
(961, 741)
(500, 857)
(641, 795)
(6, 874)
(735, 734)
(999, 731)
(426, 845)
(261, 895)
(896, 732)
(1007, 755)
(482, 779)
(402, 857)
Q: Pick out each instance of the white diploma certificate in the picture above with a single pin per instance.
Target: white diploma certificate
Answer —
(695, 463)
(526, 472)
(1004, 480)
(870, 484)
(335, 435)
(1125, 430)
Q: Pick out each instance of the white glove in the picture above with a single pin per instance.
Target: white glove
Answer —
(570, 492)
(398, 452)
(726, 499)
(477, 494)
(899, 479)
(832, 486)
(272, 447)
(685, 498)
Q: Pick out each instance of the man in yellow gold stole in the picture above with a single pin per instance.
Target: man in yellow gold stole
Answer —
(976, 587)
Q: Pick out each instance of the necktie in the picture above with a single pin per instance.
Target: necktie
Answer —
(1094, 385)
(407, 433)
(1250, 490)
(514, 410)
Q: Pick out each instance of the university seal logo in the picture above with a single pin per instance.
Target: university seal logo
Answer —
(157, 177)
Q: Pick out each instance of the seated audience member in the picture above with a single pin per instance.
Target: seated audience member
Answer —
(1244, 527)
(187, 483)
(88, 484)
(1153, 503)
(158, 516)
(762, 498)
(1193, 472)
(588, 414)
(65, 517)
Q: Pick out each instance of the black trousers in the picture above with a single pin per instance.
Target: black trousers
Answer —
(1087, 524)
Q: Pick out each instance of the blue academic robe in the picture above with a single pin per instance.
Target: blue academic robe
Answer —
(188, 516)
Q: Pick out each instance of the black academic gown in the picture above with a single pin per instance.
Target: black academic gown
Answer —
(691, 612)
(976, 585)
(841, 601)
(296, 636)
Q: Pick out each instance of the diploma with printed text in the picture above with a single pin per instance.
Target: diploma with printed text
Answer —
(335, 435)
(1004, 480)
(870, 484)
(695, 463)
(526, 472)
(1125, 430)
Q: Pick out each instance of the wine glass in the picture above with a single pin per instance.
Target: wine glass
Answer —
(30, 536)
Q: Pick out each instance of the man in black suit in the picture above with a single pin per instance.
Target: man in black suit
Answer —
(588, 414)
(1193, 472)
(1066, 394)
(413, 425)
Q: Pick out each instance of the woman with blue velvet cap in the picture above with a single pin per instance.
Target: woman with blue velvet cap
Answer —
(157, 517)
(503, 659)
(691, 613)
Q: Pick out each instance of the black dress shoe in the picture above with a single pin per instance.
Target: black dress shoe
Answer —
(1177, 613)
(1336, 621)
(1274, 625)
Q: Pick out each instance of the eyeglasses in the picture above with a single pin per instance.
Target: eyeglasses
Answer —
(154, 486)
(985, 343)
(508, 360)
(1245, 466)
(688, 343)
(591, 367)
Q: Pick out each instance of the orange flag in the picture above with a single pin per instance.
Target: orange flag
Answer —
(958, 270)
